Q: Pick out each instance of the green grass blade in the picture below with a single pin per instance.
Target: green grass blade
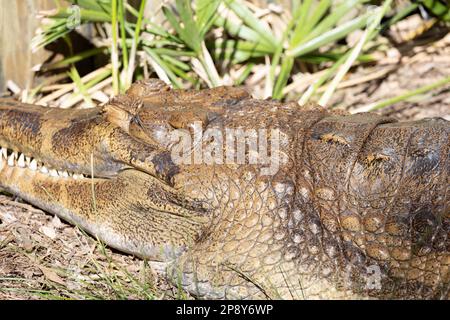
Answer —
(329, 72)
(332, 18)
(73, 59)
(172, 77)
(137, 32)
(243, 32)
(317, 14)
(437, 8)
(375, 22)
(328, 37)
(151, 27)
(114, 49)
(173, 61)
(244, 75)
(94, 5)
(171, 52)
(85, 15)
(382, 104)
(206, 11)
(188, 33)
(254, 23)
(285, 72)
(123, 35)
(301, 28)
(74, 75)
(209, 67)
(171, 17)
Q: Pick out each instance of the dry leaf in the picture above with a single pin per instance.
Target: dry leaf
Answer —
(56, 222)
(7, 217)
(51, 275)
(48, 231)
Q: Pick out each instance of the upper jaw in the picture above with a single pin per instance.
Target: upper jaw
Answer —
(28, 139)
(10, 159)
(76, 142)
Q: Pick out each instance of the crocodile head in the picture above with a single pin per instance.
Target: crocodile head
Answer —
(81, 166)
(240, 197)
(108, 170)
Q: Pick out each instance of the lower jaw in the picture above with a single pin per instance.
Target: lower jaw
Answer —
(30, 185)
(39, 189)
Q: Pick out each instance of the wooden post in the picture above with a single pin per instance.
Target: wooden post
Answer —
(18, 24)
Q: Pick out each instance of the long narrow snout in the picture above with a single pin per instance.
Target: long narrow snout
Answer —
(82, 142)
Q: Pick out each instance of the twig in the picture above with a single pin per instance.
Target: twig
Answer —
(55, 95)
(79, 98)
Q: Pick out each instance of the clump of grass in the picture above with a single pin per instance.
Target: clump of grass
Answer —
(101, 278)
(206, 43)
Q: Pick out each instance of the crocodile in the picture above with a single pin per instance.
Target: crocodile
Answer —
(356, 207)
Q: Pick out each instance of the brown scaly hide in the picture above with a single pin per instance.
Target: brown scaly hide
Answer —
(358, 208)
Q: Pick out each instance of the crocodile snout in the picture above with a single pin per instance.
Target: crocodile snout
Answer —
(76, 143)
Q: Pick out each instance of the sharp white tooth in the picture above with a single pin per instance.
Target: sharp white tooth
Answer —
(33, 165)
(4, 153)
(21, 161)
(53, 173)
(11, 159)
(44, 170)
(63, 174)
(28, 161)
(77, 176)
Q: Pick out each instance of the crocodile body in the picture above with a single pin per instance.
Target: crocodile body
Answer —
(357, 208)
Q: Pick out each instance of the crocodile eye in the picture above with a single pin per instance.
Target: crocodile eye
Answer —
(334, 138)
(136, 119)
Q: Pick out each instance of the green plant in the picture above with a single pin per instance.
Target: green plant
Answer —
(198, 43)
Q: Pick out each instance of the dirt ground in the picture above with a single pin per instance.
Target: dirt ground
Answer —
(42, 257)
(405, 67)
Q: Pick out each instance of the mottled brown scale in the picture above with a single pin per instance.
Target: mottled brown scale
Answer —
(355, 195)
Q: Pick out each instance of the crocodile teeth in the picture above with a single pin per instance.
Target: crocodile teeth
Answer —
(33, 165)
(21, 161)
(77, 176)
(63, 174)
(12, 158)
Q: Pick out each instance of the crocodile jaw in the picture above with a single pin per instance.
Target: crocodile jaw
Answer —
(53, 194)
(92, 174)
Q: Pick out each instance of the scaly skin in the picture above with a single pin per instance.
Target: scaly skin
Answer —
(358, 209)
